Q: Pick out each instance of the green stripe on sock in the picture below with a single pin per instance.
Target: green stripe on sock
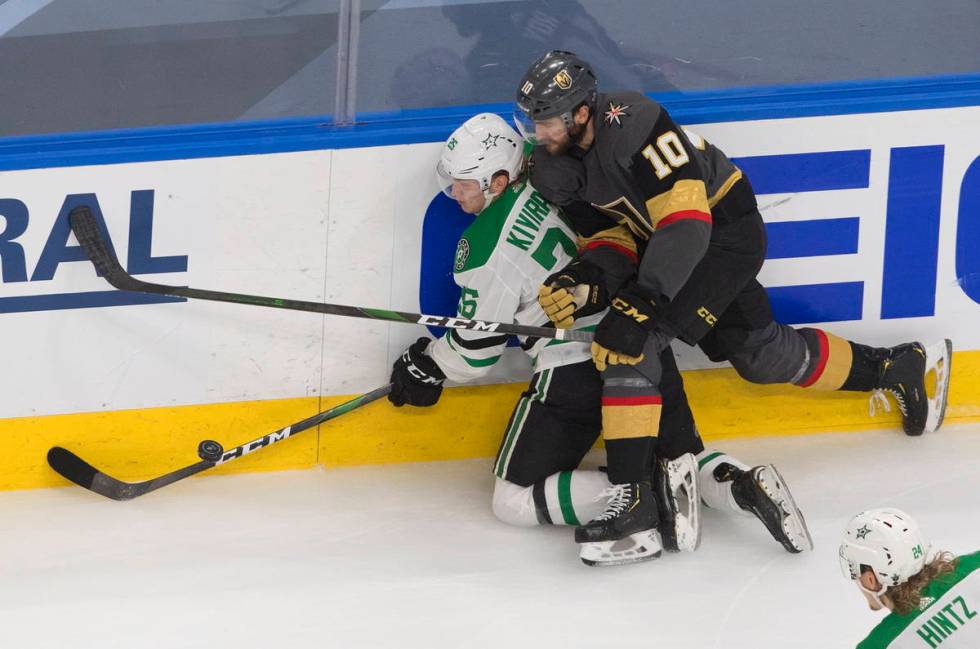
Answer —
(710, 457)
(565, 498)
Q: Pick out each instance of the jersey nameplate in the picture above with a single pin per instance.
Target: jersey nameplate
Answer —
(528, 222)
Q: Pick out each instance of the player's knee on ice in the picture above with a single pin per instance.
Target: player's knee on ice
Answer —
(514, 504)
(565, 498)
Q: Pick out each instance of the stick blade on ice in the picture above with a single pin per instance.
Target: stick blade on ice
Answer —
(71, 467)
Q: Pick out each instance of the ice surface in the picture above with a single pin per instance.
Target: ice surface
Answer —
(411, 556)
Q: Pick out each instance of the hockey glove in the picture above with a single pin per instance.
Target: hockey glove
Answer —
(623, 331)
(575, 291)
(415, 378)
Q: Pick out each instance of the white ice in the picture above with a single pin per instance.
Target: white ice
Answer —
(410, 556)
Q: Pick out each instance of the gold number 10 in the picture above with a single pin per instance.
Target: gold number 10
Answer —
(672, 149)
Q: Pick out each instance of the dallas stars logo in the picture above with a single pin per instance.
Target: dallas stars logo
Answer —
(862, 532)
(616, 112)
(462, 254)
(490, 140)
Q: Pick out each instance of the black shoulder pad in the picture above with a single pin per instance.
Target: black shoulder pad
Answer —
(624, 121)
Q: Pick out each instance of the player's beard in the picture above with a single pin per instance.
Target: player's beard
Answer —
(573, 137)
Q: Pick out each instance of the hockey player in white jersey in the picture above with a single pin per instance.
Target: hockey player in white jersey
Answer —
(517, 241)
(934, 599)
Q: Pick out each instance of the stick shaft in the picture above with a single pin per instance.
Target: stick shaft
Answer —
(86, 229)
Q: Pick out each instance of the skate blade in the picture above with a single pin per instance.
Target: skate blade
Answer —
(642, 546)
(939, 359)
(682, 475)
(794, 525)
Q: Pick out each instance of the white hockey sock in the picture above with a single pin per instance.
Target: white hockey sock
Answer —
(565, 498)
(716, 494)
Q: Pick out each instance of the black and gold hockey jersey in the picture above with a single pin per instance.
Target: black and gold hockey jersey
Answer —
(646, 187)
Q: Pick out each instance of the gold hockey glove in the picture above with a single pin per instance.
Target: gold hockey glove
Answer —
(575, 291)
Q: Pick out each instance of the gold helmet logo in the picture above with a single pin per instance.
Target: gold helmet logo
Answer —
(564, 80)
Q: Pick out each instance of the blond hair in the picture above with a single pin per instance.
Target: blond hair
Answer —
(907, 596)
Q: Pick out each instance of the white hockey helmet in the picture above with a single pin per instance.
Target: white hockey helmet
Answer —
(482, 146)
(889, 541)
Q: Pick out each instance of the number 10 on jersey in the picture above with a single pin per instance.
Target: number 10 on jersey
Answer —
(670, 147)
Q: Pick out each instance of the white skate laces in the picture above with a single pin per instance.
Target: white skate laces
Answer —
(619, 496)
(880, 401)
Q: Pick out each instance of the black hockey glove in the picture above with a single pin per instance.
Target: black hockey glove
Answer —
(415, 377)
(575, 291)
(623, 331)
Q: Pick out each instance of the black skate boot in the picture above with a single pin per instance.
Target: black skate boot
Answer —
(902, 372)
(761, 491)
(626, 531)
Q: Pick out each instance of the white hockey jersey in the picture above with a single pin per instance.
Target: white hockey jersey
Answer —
(501, 261)
(949, 616)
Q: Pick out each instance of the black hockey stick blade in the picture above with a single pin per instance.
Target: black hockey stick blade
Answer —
(72, 467)
(86, 229)
(75, 469)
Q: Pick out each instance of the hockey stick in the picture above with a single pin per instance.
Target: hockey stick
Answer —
(77, 470)
(86, 230)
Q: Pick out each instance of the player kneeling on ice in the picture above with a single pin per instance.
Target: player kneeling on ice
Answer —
(934, 601)
(517, 241)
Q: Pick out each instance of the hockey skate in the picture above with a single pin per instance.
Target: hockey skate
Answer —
(762, 491)
(676, 483)
(626, 531)
(903, 373)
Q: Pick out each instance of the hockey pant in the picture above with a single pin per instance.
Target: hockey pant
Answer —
(555, 423)
(724, 310)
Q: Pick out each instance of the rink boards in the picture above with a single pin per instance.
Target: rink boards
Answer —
(874, 224)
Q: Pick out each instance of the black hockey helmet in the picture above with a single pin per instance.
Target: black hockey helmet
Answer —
(555, 85)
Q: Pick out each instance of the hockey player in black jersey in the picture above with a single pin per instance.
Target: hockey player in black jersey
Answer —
(670, 235)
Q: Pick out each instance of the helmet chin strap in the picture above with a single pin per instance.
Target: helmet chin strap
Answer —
(875, 594)
(488, 197)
